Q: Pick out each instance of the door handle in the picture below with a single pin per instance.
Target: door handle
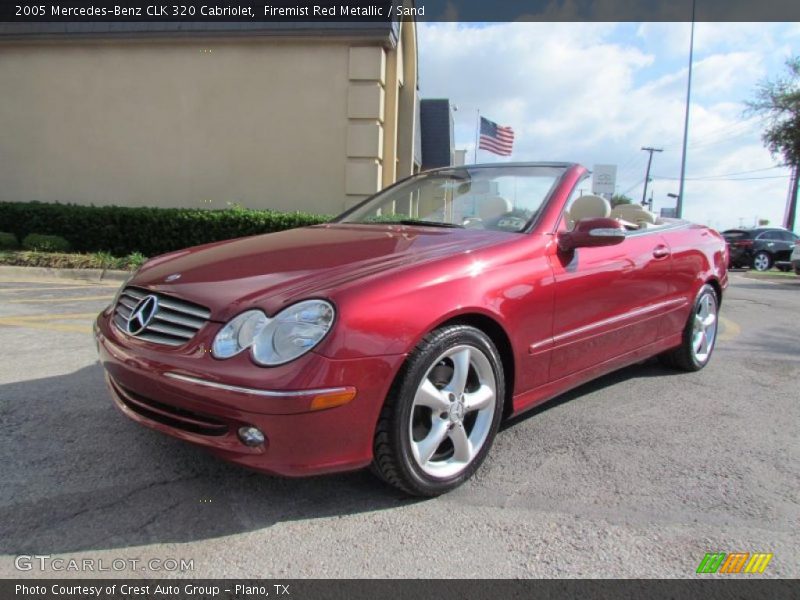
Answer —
(660, 251)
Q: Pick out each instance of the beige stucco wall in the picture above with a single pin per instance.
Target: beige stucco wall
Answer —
(264, 123)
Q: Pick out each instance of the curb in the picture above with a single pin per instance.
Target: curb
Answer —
(770, 277)
(49, 273)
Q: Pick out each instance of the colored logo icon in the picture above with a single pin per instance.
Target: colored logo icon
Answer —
(736, 562)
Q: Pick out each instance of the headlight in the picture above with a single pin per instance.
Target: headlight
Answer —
(293, 332)
(283, 338)
(238, 334)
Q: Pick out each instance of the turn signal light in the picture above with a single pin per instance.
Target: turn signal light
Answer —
(333, 399)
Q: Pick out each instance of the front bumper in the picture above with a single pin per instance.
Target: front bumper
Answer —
(188, 394)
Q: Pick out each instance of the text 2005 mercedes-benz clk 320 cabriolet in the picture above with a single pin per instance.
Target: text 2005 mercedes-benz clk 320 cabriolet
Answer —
(400, 334)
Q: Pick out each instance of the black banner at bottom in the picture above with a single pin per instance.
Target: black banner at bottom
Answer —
(414, 589)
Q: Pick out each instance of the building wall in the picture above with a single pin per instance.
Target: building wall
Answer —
(287, 125)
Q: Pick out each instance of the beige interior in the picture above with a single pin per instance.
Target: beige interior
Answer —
(634, 216)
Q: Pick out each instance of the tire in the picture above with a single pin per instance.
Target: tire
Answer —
(762, 261)
(428, 440)
(699, 334)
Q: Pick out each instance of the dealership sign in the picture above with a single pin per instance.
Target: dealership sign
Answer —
(604, 179)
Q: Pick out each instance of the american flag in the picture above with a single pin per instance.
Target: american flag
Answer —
(496, 138)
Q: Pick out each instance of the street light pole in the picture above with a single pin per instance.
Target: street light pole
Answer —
(679, 203)
(647, 173)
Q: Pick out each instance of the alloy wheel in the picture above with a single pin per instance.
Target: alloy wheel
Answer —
(704, 332)
(761, 262)
(452, 411)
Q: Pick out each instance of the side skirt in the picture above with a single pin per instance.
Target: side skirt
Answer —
(532, 398)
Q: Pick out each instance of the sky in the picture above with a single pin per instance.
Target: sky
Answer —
(595, 93)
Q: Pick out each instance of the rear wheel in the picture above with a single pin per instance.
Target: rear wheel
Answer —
(442, 413)
(762, 261)
(699, 335)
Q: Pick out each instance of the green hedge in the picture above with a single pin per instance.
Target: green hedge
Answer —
(46, 243)
(8, 241)
(151, 231)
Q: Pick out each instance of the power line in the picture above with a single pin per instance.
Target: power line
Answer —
(721, 179)
(723, 175)
(633, 187)
(746, 172)
(723, 140)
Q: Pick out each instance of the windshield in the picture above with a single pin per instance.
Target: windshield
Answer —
(498, 198)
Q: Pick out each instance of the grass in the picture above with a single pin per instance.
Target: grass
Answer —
(63, 260)
(770, 273)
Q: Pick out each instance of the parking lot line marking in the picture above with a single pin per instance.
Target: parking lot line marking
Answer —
(51, 289)
(63, 300)
(52, 316)
(47, 322)
(730, 329)
(46, 326)
(61, 282)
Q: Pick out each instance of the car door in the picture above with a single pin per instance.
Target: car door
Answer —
(772, 242)
(609, 300)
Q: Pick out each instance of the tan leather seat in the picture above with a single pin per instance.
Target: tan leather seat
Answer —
(491, 208)
(589, 207)
(635, 214)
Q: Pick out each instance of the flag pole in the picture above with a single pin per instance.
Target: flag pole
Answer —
(477, 131)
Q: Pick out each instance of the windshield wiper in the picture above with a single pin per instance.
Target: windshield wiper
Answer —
(429, 223)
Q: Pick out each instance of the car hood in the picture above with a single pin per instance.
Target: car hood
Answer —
(276, 269)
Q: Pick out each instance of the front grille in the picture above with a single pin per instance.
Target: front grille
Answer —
(172, 416)
(174, 322)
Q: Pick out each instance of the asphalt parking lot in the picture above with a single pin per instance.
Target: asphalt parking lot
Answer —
(638, 474)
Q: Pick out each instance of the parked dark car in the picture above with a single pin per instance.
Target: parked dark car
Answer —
(760, 248)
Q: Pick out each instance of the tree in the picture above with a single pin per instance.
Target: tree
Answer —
(618, 199)
(778, 101)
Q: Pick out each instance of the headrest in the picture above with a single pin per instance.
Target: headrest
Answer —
(589, 207)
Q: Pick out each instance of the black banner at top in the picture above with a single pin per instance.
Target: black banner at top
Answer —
(371, 11)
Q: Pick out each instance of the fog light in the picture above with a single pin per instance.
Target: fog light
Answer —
(251, 436)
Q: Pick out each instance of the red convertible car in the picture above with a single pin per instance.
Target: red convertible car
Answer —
(400, 334)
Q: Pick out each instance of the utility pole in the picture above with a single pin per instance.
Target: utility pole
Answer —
(477, 134)
(791, 202)
(679, 203)
(647, 173)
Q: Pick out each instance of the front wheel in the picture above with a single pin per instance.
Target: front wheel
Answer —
(762, 261)
(699, 335)
(442, 413)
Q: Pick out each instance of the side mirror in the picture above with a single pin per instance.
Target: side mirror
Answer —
(592, 232)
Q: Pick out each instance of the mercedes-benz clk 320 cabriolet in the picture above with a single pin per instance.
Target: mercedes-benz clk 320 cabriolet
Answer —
(400, 334)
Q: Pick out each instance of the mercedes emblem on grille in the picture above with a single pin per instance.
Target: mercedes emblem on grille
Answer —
(142, 314)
